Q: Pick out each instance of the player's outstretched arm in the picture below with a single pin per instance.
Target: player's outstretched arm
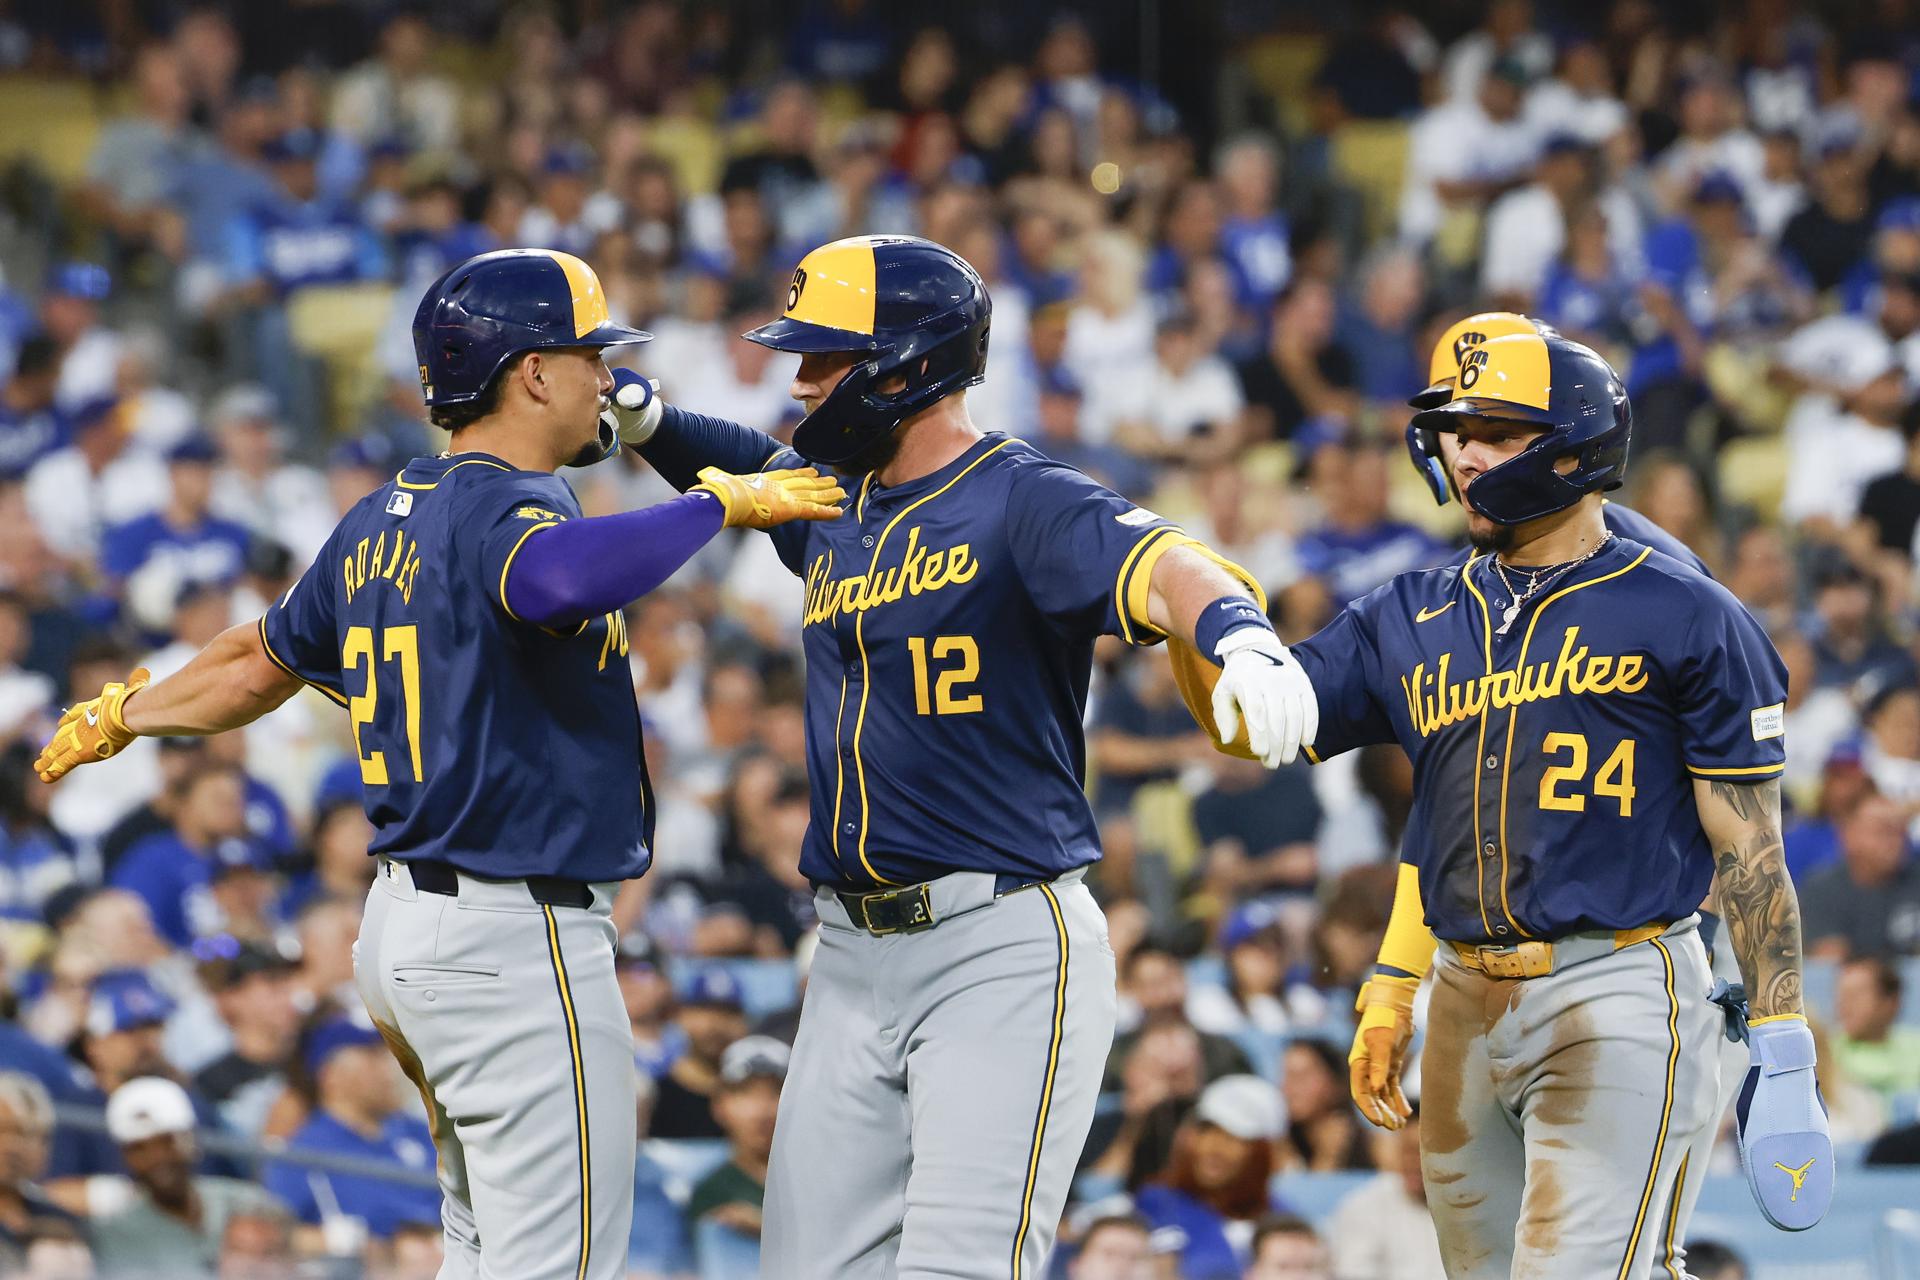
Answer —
(579, 569)
(229, 683)
(1785, 1146)
(1193, 598)
(679, 444)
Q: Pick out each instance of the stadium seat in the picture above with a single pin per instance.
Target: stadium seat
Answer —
(339, 325)
(1753, 472)
(1284, 66)
(1371, 157)
(53, 122)
(725, 1254)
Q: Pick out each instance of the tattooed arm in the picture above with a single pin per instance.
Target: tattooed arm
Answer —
(1757, 903)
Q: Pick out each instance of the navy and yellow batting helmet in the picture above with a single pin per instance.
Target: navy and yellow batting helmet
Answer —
(1455, 350)
(492, 307)
(1548, 381)
(913, 308)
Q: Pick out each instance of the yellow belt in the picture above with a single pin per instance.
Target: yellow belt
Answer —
(1536, 959)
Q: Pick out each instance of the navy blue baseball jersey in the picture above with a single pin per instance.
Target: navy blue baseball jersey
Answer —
(1554, 764)
(506, 749)
(949, 629)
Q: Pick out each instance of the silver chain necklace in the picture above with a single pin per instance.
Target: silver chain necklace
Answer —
(1536, 582)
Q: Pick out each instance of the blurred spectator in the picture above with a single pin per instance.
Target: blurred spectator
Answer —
(1870, 1045)
(357, 1112)
(1506, 31)
(1527, 227)
(1849, 636)
(397, 94)
(1359, 546)
(174, 870)
(744, 1102)
(255, 486)
(37, 863)
(1258, 827)
(1286, 1247)
(1304, 374)
(1153, 986)
(136, 166)
(252, 988)
(1830, 235)
(1183, 406)
(1579, 98)
(164, 1219)
(1323, 1133)
(76, 492)
(657, 1039)
(1383, 1231)
(1110, 330)
(30, 427)
(1254, 945)
(1843, 434)
(88, 350)
(1379, 329)
(1117, 1247)
(182, 543)
(1373, 68)
(26, 1213)
(1891, 751)
(1867, 904)
(120, 1039)
(1890, 504)
(1465, 150)
(566, 213)
(1215, 1183)
(768, 887)
(709, 1015)
(1253, 234)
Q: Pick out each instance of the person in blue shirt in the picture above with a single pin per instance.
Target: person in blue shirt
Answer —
(358, 1114)
(1359, 546)
(30, 426)
(1585, 294)
(36, 860)
(1215, 1184)
(1254, 236)
(173, 871)
(200, 546)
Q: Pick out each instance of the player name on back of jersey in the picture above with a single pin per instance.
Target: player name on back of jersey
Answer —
(1434, 701)
(373, 560)
(919, 572)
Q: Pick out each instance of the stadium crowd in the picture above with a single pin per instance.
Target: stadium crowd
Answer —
(1220, 243)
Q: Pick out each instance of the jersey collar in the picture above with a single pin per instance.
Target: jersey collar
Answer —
(885, 495)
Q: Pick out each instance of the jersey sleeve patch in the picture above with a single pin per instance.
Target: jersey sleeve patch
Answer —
(1768, 722)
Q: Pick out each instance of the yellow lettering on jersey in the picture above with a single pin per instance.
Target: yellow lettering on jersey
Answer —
(919, 572)
(1434, 701)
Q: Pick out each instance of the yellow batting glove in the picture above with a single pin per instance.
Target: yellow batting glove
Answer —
(1379, 1051)
(773, 497)
(93, 730)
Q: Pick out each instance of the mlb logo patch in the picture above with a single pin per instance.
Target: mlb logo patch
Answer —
(400, 504)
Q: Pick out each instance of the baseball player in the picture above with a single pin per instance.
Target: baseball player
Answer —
(961, 1004)
(1457, 352)
(1595, 730)
(469, 620)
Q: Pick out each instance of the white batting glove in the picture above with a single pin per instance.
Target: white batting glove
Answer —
(634, 407)
(1261, 684)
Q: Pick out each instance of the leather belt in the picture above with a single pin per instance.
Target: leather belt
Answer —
(1538, 958)
(430, 875)
(907, 910)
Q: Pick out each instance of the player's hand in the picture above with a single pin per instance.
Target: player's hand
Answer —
(1379, 1052)
(1785, 1146)
(1261, 684)
(633, 407)
(93, 730)
(773, 497)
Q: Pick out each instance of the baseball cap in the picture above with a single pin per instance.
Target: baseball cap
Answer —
(124, 1000)
(753, 1057)
(572, 161)
(146, 1108)
(330, 1038)
(244, 402)
(712, 986)
(193, 448)
(1717, 186)
(1899, 215)
(293, 145)
(80, 280)
(1245, 1106)
(1249, 920)
(227, 961)
(240, 854)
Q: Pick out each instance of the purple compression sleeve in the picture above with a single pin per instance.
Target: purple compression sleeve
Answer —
(583, 568)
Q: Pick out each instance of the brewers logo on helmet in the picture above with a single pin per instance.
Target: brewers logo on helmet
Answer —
(1457, 359)
(915, 309)
(1544, 380)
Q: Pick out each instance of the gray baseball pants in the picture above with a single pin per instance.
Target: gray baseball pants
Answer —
(507, 1017)
(1556, 1111)
(942, 1086)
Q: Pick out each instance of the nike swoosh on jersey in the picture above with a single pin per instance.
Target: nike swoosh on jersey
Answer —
(1427, 615)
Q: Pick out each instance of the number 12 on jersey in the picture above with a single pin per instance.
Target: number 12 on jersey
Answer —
(949, 686)
(402, 643)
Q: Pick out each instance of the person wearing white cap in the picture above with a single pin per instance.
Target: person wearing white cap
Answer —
(165, 1220)
(1842, 432)
(1215, 1184)
(745, 1102)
